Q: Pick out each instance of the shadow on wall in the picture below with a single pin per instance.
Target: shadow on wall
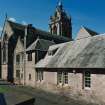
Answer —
(2, 99)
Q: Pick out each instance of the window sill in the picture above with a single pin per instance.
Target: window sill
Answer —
(4, 63)
(61, 85)
(38, 81)
(87, 88)
(29, 61)
(65, 85)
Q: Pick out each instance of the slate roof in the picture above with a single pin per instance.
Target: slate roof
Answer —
(40, 44)
(34, 33)
(91, 32)
(15, 25)
(84, 53)
(85, 32)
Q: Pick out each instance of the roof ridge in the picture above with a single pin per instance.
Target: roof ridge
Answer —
(88, 30)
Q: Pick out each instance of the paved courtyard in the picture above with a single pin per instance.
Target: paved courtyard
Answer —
(42, 98)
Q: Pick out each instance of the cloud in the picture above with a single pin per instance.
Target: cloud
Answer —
(24, 23)
(12, 19)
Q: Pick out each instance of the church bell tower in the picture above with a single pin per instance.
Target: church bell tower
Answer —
(60, 22)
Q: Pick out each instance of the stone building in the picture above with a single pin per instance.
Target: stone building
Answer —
(12, 32)
(76, 67)
(0, 57)
(24, 69)
(18, 65)
(9, 40)
(52, 60)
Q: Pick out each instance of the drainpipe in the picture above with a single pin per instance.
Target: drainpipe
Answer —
(25, 55)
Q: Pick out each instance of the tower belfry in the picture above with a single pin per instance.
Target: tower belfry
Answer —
(60, 22)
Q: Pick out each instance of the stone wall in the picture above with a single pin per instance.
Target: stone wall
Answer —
(75, 89)
(49, 82)
(19, 50)
(30, 70)
(4, 72)
(0, 59)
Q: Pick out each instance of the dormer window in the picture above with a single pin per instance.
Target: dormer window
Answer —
(52, 52)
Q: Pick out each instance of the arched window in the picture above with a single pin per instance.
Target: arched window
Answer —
(4, 53)
(5, 49)
(54, 30)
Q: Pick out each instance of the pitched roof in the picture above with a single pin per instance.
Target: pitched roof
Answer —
(16, 25)
(40, 44)
(85, 32)
(84, 53)
(33, 33)
(91, 32)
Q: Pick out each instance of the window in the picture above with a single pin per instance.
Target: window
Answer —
(17, 73)
(22, 57)
(62, 78)
(59, 77)
(29, 76)
(54, 30)
(39, 75)
(17, 59)
(87, 79)
(30, 57)
(22, 76)
(51, 53)
(4, 54)
(65, 77)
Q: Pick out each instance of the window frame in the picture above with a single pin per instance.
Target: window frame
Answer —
(65, 78)
(4, 53)
(29, 57)
(17, 59)
(39, 76)
(18, 74)
(30, 77)
(87, 80)
(52, 52)
(59, 78)
(62, 78)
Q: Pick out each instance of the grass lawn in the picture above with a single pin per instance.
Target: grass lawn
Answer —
(4, 89)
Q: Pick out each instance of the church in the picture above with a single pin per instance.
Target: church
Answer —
(52, 60)
(26, 39)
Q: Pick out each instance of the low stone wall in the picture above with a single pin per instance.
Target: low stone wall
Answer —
(16, 98)
(27, 102)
